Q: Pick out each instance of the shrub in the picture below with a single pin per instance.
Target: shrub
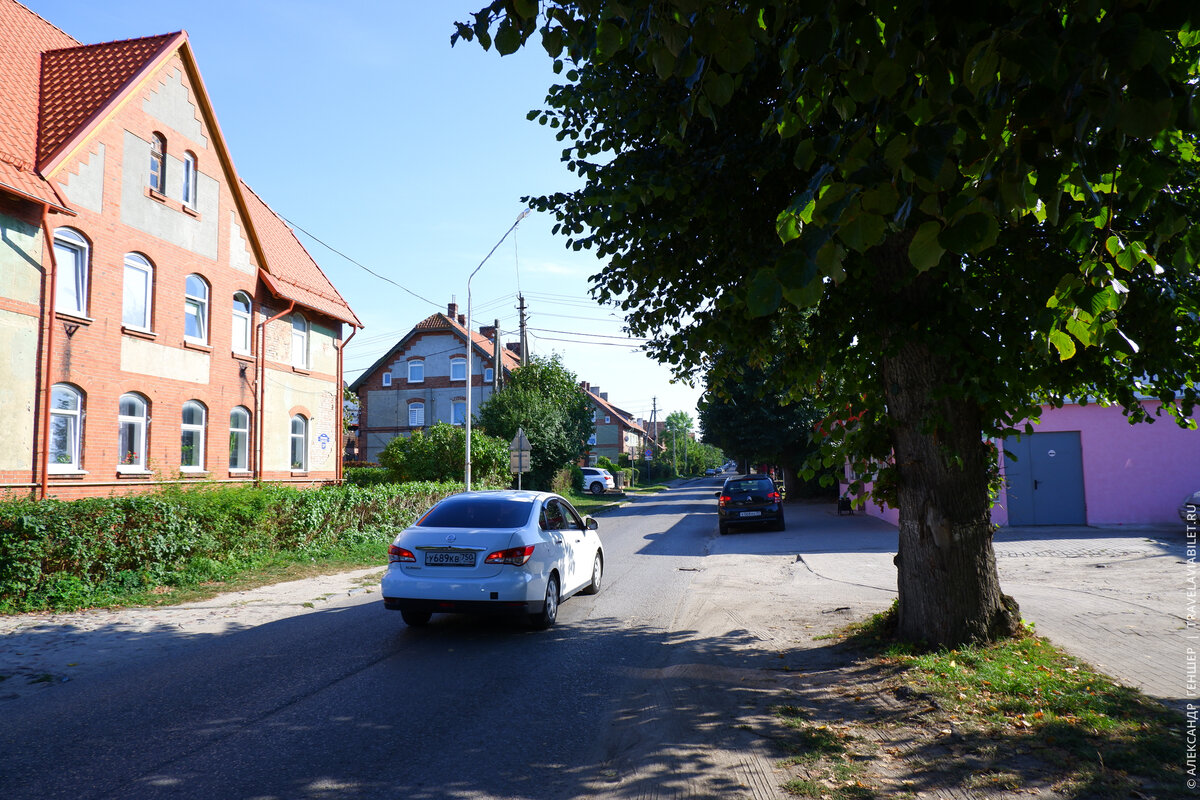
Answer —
(367, 476)
(65, 555)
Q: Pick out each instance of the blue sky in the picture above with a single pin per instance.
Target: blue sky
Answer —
(358, 123)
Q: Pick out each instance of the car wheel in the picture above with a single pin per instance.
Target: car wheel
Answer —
(597, 577)
(779, 524)
(723, 528)
(416, 619)
(545, 618)
(597, 487)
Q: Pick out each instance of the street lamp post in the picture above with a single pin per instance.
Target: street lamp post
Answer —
(467, 469)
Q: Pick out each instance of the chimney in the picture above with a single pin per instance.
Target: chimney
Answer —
(594, 390)
(514, 347)
(452, 309)
(604, 395)
(488, 331)
(462, 319)
(584, 385)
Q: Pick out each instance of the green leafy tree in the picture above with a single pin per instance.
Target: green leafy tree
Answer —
(976, 209)
(439, 453)
(545, 400)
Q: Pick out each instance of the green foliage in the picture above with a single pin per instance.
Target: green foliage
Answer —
(439, 453)
(544, 399)
(66, 555)
(577, 477)
(367, 476)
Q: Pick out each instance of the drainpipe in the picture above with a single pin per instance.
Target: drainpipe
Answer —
(340, 453)
(51, 300)
(260, 394)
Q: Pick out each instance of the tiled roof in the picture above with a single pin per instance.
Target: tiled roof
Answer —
(508, 359)
(613, 411)
(290, 271)
(79, 81)
(24, 36)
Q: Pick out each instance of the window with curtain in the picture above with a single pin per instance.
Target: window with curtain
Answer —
(416, 415)
(158, 163)
(66, 415)
(132, 422)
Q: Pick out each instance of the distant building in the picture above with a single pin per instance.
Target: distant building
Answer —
(422, 379)
(160, 323)
(616, 431)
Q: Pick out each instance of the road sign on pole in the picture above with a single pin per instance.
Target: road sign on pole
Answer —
(518, 455)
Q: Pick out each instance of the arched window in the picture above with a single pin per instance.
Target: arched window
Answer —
(66, 415)
(72, 256)
(191, 450)
(158, 163)
(299, 443)
(416, 371)
(137, 293)
(239, 440)
(132, 420)
(458, 411)
(189, 179)
(195, 309)
(458, 369)
(299, 341)
(416, 415)
(242, 322)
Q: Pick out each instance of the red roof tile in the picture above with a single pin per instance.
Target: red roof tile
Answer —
(508, 359)
(291, 272)
(78, 82)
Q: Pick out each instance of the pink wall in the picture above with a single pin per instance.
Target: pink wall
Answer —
(1132, 474)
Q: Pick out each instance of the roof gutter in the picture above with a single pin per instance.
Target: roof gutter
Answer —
(48, 359)
(340, 405)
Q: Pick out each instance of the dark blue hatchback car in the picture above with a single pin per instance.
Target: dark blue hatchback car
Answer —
(750, 500)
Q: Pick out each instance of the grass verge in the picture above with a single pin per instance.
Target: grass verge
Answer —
(1021, 714)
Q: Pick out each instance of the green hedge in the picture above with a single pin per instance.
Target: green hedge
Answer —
(73, 554)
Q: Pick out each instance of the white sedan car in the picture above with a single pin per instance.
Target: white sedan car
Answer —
(493, 553)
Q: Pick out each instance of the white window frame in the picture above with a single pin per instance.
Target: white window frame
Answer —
(138, 278)
(158, 163)
(133, 459)
(300, 341)
(66, 409)
(189, 179)
(416, 365)
(198, 432)
(592, 440)
(387, 379)
(458, 412)
(461, 365)
(72, 256)
(416, 414)
(607, 419)
(298, 437)
(243, 323)
(239, 440)
(489, 374)
(195, 307)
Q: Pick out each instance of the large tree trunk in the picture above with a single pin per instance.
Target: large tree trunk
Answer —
(949, 589)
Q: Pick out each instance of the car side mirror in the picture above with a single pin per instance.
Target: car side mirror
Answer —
(592, 524)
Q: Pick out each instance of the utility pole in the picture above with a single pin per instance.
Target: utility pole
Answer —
(524, 337)
(497, 361)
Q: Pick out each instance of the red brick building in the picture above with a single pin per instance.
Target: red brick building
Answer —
(161, 323)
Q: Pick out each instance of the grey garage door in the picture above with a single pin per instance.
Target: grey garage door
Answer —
(1045, 481)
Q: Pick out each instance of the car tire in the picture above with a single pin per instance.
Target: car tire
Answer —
(415, 619)
(549, 613)
(597, 577)
(723, 528)
(779, 524)
(596, 488)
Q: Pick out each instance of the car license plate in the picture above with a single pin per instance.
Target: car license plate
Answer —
(449, 558)
(751, 514)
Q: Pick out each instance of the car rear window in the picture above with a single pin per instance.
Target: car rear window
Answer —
(476, 511)
(748, 486)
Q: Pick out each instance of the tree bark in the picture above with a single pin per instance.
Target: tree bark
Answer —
(949, 588)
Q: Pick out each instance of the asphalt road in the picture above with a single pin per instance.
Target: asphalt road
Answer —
(348, 702)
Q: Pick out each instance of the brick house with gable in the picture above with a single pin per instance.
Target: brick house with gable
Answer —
(616, 432)
(163, 324)
(421, 380)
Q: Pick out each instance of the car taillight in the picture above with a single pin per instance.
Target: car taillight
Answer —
(396, 554)
(773, 497)
(516, 556)
(724, 499)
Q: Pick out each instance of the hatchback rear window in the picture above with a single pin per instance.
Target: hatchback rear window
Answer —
(748, 486)
(478, 511)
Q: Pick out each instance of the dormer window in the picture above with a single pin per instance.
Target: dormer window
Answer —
(158, 163)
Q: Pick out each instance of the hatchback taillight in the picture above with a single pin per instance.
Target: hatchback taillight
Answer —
(517, 556)
(773, 497)
(396, 554)
(724, 499)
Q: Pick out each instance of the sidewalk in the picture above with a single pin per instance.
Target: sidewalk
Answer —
(1116, 598)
